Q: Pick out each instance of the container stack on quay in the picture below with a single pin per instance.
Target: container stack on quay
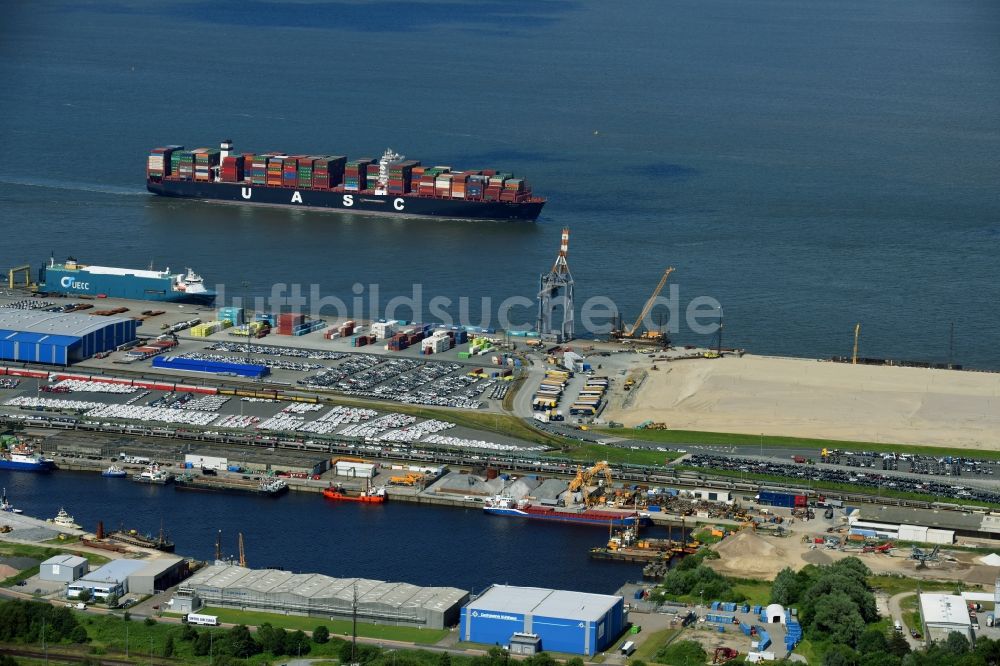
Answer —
(208, 328)
(235, 316)
(787, 500)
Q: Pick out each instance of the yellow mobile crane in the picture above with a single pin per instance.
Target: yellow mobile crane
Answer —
(630, 333)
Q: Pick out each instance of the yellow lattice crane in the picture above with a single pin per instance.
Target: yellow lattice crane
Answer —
(654, 336)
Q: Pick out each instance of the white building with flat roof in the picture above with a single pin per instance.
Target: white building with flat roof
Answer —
(943, 614)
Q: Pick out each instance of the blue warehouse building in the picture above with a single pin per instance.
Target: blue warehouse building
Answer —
(572, 622)
(59, 338)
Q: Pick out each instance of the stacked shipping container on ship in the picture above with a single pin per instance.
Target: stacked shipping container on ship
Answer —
(356, 174)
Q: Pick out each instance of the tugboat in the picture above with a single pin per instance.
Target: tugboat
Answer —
(369, 495)
(63, 519)
(114, 472)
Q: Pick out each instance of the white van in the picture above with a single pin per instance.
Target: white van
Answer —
(628, 648)
(898, 626)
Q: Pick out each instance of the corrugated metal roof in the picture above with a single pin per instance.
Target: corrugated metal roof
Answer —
(319, 586)
(115, 570)
(52, 323)
(939, 519)
(544, 602)
(944, 609)
(66, 561)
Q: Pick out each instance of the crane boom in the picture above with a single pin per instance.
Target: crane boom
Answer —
(649, 304)
(243, 555)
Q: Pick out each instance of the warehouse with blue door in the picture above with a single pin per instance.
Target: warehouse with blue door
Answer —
(563, 621)
(59, 338)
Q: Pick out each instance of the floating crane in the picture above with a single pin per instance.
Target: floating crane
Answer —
(655, 337)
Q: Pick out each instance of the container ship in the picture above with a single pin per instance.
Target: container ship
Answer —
(507, 506)
(72, 278)
(389, 186)
(266, 487)
(23, 458)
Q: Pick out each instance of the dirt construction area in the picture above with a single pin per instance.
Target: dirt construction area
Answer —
(748, 554)
(808, 398)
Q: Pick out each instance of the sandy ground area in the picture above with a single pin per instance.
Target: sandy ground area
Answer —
(753, 555)
(808, 398)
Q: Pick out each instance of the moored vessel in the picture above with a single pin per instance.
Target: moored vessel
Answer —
(72, 278)
(370, 495)
(154, 474)
(502, 505)
(264, 488)
(134, 538)
(114, 472)
(390, 186)
(63, 519)
(24, 458)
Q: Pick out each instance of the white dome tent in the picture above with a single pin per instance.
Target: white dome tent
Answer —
(775, 614)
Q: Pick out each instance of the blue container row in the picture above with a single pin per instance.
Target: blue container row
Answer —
(214, 367)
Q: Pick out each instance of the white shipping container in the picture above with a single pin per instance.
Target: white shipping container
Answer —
(354, 470)
(208, 462)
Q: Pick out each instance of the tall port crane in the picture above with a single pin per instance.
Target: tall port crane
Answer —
(649, 336)
(586, 476)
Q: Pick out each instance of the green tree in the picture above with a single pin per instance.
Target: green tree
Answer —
(111, 601)
(322, 635)
(878, 659)
(189, 633)
(872, 640)
(168, 647)
(444, 659)
(956, 644)
(840, 655)
(898, 645)
(785, 590)
(79, 635)
(202, 644)
(577, 661)
(682, 653)
(272, 639)
(239, 642)
(149, 622)
(838, 620)
(85, 595)
(297, 643)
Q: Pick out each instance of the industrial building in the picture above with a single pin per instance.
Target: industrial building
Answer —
(63, 568)
(563, 621)
(59, 338)
(943, 614)
(923, 525)
(158, 574)
(112, 578)
(324, 596)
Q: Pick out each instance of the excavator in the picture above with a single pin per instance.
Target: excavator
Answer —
(648, 337)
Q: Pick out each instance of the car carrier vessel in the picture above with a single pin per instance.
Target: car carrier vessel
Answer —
(73, 278)
(390, 186)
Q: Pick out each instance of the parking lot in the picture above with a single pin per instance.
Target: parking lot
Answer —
(103, 403)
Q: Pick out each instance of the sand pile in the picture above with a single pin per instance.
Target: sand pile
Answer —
(780, 396)
(991, 560)
(748, 555)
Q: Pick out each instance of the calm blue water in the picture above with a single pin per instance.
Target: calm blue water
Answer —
(306, 533)
(808, 164)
